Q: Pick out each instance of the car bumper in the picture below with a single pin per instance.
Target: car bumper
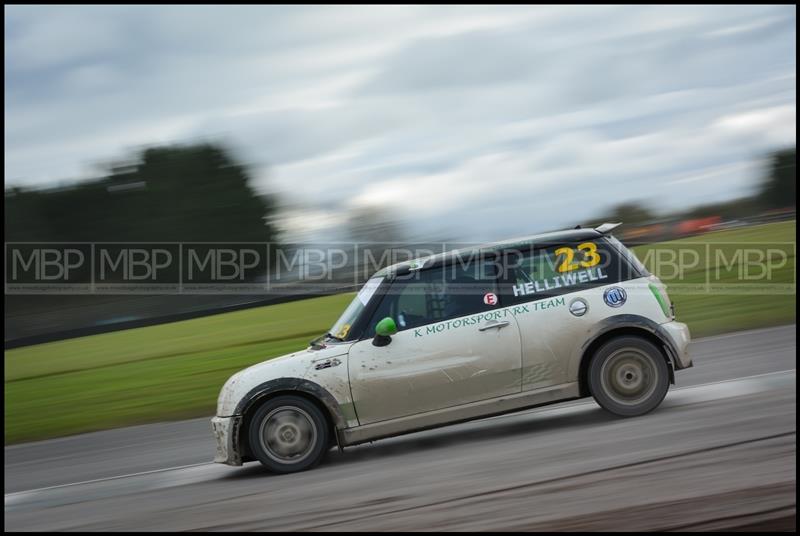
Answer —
(226, 434)
(679, 335)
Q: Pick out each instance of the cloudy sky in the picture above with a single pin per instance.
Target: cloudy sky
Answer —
(470, 122)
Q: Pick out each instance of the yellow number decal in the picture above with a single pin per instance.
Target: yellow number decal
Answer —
(590, 255)
(567, 265)
(344, 331)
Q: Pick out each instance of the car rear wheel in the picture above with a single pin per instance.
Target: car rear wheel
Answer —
(288, 434)
(628, 376)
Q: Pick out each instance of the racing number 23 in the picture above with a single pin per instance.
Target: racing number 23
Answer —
(590, 257)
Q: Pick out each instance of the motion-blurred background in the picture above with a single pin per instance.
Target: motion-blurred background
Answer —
(393, 125)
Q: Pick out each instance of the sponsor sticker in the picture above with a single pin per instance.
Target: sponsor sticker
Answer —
(490, 298)
(615, 296)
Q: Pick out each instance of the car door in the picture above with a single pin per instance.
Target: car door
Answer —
(454, 346)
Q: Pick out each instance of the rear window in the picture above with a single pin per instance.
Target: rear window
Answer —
(558, 269)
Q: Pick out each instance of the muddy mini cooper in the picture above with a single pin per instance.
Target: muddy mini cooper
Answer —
(459, 336)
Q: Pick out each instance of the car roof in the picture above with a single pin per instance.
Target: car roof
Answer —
(554, 237)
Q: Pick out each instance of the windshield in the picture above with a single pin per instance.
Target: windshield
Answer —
(341, 328)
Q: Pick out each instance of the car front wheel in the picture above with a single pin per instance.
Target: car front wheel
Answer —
(628, 376)
(288, 434)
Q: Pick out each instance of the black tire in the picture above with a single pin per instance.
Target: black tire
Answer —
(288, 434)
(628, 376)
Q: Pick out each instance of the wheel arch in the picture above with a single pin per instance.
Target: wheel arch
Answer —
(624, 325)
(305, 389)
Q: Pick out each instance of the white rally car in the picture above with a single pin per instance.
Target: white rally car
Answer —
(459, 336)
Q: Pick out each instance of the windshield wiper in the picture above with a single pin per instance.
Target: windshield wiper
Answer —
(334, 337)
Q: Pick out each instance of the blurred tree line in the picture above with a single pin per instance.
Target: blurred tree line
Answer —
(775, 191)
(778, 189)
(169, 194)
(199, 193)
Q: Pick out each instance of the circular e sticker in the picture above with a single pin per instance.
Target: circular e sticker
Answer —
(490, 298)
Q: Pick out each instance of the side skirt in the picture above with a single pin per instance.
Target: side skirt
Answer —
(457, 414)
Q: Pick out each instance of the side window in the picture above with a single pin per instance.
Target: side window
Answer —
(428, 296)
(558, 269)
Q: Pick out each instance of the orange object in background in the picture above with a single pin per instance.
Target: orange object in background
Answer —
(644, 234)
(698, 225)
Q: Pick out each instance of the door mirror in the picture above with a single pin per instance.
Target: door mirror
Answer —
(386, 327)
(384, 331)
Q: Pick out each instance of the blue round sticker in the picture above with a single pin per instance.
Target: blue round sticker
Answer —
(615, 296)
